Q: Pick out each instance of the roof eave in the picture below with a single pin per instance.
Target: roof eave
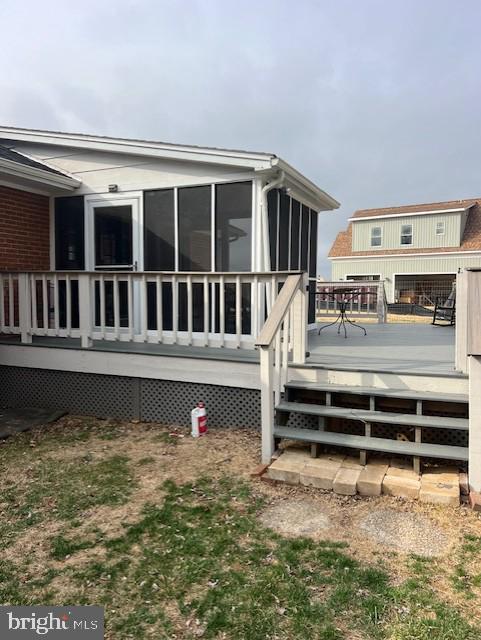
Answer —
(136, 147)
(40, 176)
(324, 201)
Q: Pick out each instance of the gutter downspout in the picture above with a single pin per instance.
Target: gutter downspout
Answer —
(266, 266)
(266, 263)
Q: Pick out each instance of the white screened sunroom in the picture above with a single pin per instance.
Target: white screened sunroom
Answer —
(168, 243)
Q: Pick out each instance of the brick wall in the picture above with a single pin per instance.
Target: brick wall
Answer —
(24, 230)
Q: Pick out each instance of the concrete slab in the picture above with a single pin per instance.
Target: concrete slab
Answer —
(345, 481)
(370, 480)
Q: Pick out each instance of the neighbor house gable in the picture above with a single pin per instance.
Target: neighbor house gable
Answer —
(470, 228)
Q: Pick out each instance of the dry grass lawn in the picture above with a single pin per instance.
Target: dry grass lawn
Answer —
(168, 534)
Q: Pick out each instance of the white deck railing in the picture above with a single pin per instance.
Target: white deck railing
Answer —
(282, 341)
(199, 309)
(369, 301)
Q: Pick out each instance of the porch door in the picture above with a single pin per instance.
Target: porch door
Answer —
(115, 245)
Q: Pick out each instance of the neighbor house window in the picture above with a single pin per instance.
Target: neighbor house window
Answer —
(440, 228)
(376, 236)
(407, 234)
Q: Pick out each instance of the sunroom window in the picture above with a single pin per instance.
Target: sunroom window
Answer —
(440, 228)
(407, 234)
(376, 236)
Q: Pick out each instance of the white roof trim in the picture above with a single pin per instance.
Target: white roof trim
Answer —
(394, 256)
(257, 161)
(18, 170)
(409, 214)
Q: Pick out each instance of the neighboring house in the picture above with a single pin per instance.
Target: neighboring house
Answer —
(416, 249)
(135, 241)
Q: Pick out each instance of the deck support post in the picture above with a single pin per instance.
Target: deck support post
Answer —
(85, 311)
(474, 364)
(461, 327)
(267, 403)
(24, 308)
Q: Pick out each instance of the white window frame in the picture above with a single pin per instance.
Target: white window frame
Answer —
(411, 234)
(441, 224)
(376, 237)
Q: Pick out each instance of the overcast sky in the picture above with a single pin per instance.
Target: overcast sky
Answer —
(378, 102)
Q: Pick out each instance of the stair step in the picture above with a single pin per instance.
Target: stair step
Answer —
(383, 445)
(385, 417)
(385, 393)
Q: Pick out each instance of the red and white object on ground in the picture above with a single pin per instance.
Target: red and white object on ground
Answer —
(199, 420)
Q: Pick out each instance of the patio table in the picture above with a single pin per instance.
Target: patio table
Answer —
(343, 297)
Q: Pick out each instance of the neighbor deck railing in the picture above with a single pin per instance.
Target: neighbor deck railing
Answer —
(282, 341)
(199, 309)
(369, 302)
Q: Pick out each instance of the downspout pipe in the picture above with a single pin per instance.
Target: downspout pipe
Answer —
(266, 266)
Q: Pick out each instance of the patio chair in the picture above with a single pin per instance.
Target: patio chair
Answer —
(445, 312)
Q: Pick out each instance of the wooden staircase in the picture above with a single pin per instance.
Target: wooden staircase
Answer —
(422, 425)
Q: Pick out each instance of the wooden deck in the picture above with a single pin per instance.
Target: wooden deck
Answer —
(402, 348)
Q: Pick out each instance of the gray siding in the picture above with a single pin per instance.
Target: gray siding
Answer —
(424, 232)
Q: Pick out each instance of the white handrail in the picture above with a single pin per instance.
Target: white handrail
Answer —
(282, 339)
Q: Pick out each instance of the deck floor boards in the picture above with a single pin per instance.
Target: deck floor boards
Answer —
(398, 347)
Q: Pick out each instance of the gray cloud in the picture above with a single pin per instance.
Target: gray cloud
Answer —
(378, 102)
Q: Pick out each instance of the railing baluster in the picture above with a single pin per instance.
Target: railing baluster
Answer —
(33, 290)
(68, 297)
(175, 308)
(102, 305)
(277, 367)
(286, 346)
(115, 285)
(206, 311)
(45, 319)
(238, 310)
(190, 310)
(222, 310)
(255, 307)
(144, 315)
(56, 305)
(160, 321)
(130, 303)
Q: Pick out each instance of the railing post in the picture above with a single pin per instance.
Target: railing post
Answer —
(267, 403)
(461, 326)
(85, 310)
(474, 468)
(299, 325)
(24, 308)
(381, 303)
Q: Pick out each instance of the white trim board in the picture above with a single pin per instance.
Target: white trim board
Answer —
(223, 373)
(409, 214)
(394, 256)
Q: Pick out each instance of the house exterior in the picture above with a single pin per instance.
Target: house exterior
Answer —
(416, 249)
(113, 251)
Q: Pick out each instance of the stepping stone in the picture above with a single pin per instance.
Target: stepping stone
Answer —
(320, 472)
(440, 487)
(345, 481)
(286, 469)
(401, 486)
(370, 480)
